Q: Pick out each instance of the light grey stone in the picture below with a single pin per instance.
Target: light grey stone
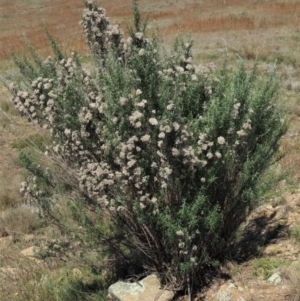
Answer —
(229, 292)
(275, 279)
(145, 290)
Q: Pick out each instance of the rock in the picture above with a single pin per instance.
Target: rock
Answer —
(28, 237)
(229, 293)
(275, 279)
(294, 251)
(269, 207)
(109, 297)
(272, 249)
(145, 290)
(9, 272)
(77, 273)
(5, 241)
(30, 252)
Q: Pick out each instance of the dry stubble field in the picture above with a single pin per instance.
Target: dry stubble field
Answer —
(265, 31)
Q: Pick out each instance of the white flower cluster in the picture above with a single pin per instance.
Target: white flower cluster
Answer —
(104, 183)
(235, 110)
(41, 107)
(187, 247)
(31, 193)
(246, 126)
(180, 75)
(100, 34)
(38, 104)
(97, 180)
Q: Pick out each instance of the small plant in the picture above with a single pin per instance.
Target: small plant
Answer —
(295, 231)
(158, 159)
(267, 266)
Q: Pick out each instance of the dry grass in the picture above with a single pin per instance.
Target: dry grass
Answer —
(62, 18)
(9, 195)
(292, 276)
(18, 221)
(20, 276)
(5, 102)
(31, 279)
(27, 279)
(23, 17)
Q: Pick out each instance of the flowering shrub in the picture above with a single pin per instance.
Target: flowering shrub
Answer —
(167, 152)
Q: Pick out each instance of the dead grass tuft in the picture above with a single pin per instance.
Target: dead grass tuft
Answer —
(27, 279)
(9, 196)
(292, 275)
(20, 220)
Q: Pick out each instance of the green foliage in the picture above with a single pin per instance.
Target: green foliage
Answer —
(295, 231)
(170, 155)
(36, 141)
(55, 47)
(75, 285)
(267, 266)
(138, 26)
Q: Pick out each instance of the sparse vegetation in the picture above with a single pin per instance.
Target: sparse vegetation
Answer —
(295, 231)
(36, 281)
(293, 277)
(266, 266)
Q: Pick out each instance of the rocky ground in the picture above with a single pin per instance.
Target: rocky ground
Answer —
(270, 246)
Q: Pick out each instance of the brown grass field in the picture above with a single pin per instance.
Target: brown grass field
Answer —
(267, 31)
(19, 18)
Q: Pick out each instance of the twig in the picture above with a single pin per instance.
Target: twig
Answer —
(7, 116)
(189, 289)
(160, 293)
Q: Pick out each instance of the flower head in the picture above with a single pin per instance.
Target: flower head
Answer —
(221, 140)
(123, 100)
(218, 155)
(209, 155)
(170, 106)
(241, 133)
(175, 152)
(145, 138)
(153, 121)
(141, 52)
(176, 126)
(161, 135)
(139, 35)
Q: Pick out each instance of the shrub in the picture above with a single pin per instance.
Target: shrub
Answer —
(167, 155)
